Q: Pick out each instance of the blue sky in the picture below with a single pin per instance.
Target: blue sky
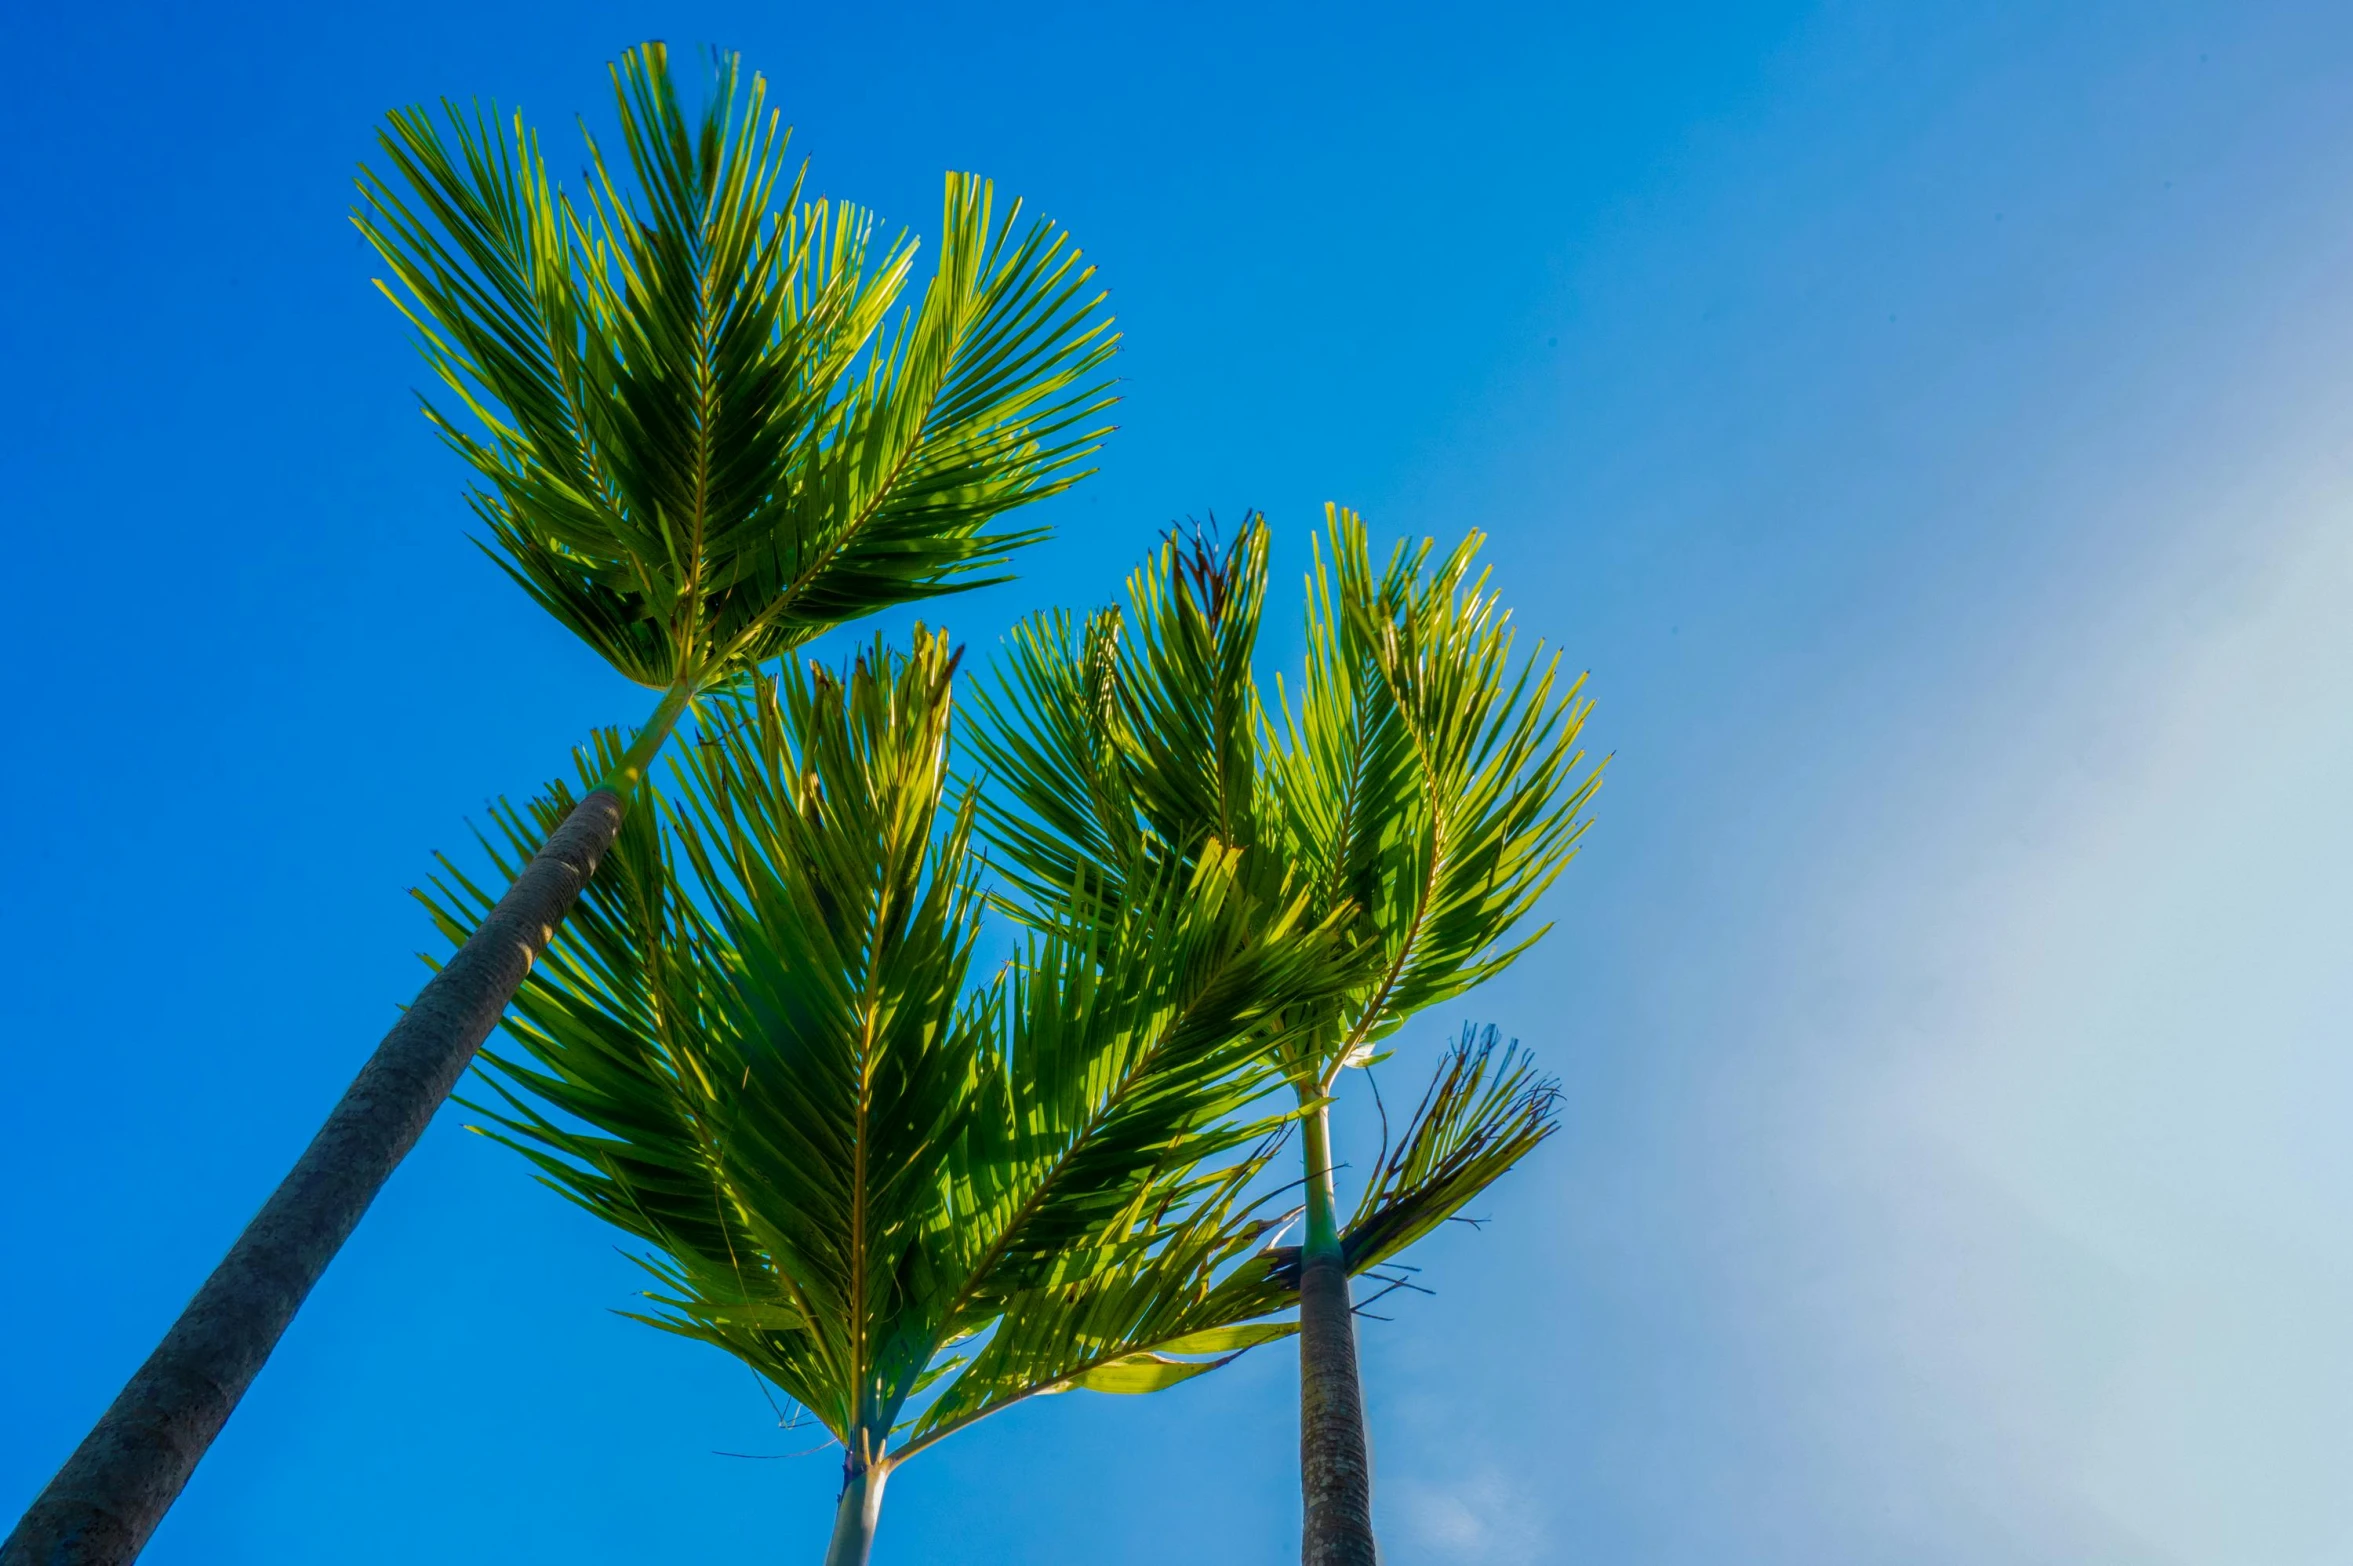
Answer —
(1931, 425)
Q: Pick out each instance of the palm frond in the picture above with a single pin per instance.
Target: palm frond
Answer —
(700, 431)
(1422, 779)
(1421, 786)
(1408, 803)
(752, 1048)
(1059, 811)
(1137, 1037)
(1482, 1113)
(846, 916)
(1137, 737)
(905, 1199)
(1155, 1319)
(1485, 1109)
(1190, 691)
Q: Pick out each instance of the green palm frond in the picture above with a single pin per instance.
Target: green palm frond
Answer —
(1136, 1037)
(1190, 696)
(906, 1199)
(1157, 1319)
(1422, 786)
(705, 428)
(761, 1021)
(1423, 780)
(1137, 737)
(1411, 798)
(1059, 809)
(1485, 1110)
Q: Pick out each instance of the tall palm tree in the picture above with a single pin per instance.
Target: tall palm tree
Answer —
(1419, 789)
(702, 433)
(905, 1199)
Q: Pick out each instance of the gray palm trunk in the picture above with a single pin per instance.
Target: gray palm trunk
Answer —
(1335, 1458)
(854, 1517)
(106, 1501)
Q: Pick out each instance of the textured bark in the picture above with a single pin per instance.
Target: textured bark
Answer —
(854, 1518)
(115, 1488)
(1335, 1459)
(1335, 1465)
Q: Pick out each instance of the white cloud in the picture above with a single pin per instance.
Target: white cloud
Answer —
(2076, 1140)
(1486, 1516)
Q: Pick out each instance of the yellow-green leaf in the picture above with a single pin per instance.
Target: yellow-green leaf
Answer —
(762, 1316)
(1231, 1340)
(1141, 1373)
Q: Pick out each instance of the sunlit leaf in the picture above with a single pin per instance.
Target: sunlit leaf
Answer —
(1141, 1373)
(705, 421)
(1228, 1340)
(761, 1049)
(1412, 793)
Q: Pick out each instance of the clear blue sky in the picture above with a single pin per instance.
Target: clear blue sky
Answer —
(1933, 426)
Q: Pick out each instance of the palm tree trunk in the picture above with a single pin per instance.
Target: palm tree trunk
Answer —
(1335, 1464)
(115, 1488)
(859, 1511)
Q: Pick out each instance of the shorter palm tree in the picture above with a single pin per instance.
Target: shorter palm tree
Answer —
(1417, 791)
(906, 1199)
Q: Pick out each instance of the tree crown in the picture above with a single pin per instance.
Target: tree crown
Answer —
(1415, 794)
(703, 427)
(905, 1198)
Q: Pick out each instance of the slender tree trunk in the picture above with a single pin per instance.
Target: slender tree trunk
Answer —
(115, 1488)
(854, 1518)
(1335, 1464)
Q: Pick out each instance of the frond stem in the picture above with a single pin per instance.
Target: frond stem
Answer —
(1323, 1227)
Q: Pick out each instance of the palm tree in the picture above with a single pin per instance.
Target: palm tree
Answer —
(702, 433)
(905, 1199)
(1420, 792)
